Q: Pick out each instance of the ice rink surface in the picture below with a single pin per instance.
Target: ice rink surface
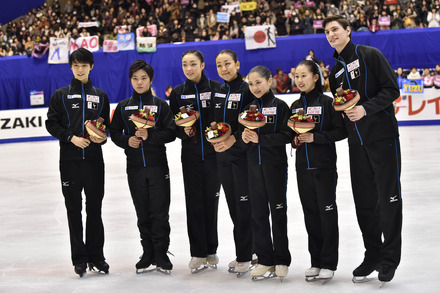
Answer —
(34, 241)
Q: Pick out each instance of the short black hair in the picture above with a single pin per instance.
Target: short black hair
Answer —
(339, 19)
(81, 55)
(141, 65)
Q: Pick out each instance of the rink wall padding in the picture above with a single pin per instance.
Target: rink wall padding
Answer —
(21, 74)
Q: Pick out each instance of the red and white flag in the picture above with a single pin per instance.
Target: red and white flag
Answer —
(260, 37)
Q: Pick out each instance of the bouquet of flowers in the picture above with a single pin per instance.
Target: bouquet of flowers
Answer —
(186, 118)
(217, 132)
(345, 99)
(96, 128)
(143, 119)
(301, 123)
(251, 118)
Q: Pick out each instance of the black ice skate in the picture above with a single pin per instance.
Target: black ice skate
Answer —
(361, 273)
(145, 263)
(81, 269)
(386, 274)
(164, 264)
(99, 266)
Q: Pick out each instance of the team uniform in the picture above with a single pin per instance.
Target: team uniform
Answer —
(317, 177)
(80, 169)
(374, 147)
(147, 171)
(199, 165)
(267, 167)
(229, 102)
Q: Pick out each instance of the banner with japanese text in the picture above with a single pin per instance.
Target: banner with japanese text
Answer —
(147, 45)
(126, 41)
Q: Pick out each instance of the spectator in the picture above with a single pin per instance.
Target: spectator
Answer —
(426, 72)
(168, 90)
(280, 24)
(312, 57)
(374, 27)
(414, 74)
(385, 27)
(282, 80)
(189, 27)
(400, 76)
(234, 29)
(363, 24)
(433, 18)
(308, 22)
(396, 21)
(291, 75)
(409, 20)
(437, 70)
(211, 22)
(296, 27)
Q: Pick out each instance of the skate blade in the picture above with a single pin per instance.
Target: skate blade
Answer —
(214, 267)
(96, 270)
(198, 270)
(312, 278)
(241, 274)
(232, 270)
(145, 270)
(325, 281)
(164, 271)
(269, 275)
(362, 279)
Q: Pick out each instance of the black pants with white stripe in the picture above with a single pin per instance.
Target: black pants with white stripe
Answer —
(317, 191)
(267, 189)
(233, 171)
(375, 179)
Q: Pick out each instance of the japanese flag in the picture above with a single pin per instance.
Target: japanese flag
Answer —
(260, 37)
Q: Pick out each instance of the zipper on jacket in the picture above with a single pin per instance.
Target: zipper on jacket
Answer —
(142, 142)
(200, 121)
(83, 116)
(226, 102)
(305, 144)
(349, 86)
(260, 108)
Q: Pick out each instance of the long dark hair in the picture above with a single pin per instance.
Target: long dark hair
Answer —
(315, 69)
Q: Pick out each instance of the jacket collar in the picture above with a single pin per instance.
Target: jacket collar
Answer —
(145, 97)
(315, 93)
(266, 98)
(203, 80)
(77, 85)
(346, 52)
(236, 82)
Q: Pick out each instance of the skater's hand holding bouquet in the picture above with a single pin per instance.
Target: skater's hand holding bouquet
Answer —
(96, 130)
(187, 118)
(301, 124)
(346, 100)
(219, 135)
(251, 119)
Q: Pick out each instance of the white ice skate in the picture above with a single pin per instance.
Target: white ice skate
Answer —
(326, 275)
(242, 268)
(198, 264)
(231, 266)
(212, 260)
(281, 271)
(312, 274)
(262, 272)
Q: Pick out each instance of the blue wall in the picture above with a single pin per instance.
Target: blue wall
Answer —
(21, 74)
(10, 9)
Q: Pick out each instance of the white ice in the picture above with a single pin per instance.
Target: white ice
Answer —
(34, 241)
